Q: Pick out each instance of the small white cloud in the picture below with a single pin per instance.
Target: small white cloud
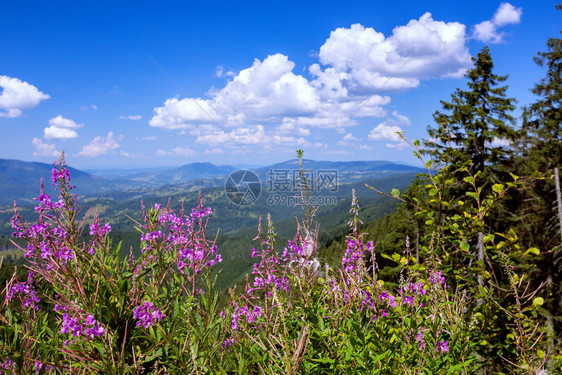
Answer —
(16, 95)
(399, 146)
(92, 107)
(100, 146)
(349, 137)
(507, 14)
(222, 72)
(61, 122)
(365, 147)
(214, 151)
(384, 131)
(53, 132)
(44, 149)
(177, 151)
(134, 117)
(487, 31)
(62, 128)
(149, 138)
(402, 120)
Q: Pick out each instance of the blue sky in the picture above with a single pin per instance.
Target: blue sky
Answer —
(129, 84)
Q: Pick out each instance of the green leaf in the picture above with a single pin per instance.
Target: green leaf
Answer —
(498, 188)
(464, 246)
(395, 193)
(472, 194)
(540, 354)
(538, 301)
(488, 238)
(533, 250)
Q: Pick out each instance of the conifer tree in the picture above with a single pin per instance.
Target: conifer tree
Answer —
(541, 150)
(542, 120)
(476, 124)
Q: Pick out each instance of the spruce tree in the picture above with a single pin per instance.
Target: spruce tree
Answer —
(541, 150)
(542, 120)
(476, 124)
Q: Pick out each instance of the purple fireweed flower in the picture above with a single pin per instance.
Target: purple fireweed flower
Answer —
(200, 212)
(64, 254)
(59, 232)
(234, 323)
(48, 368)
(353, 257)
(227, 343)
(416, 288)
(442, 346)
(258, 282)
(7, 365)
(45, 251)
(367, 301)
(282, 283)
(70, 325)
(25, 291)
(419, 340)
(150, 236)
(435, 277)
(390, 299)
(408, 300)
(147, 314)
(78, 326)
(63, 175)
(97, 230)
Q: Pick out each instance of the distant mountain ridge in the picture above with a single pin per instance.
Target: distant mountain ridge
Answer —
(19, 180)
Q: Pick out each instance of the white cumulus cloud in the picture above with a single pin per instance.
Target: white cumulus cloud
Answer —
(100, 146)
(53, 132)
(487, 31)
(384, 131)
(133, 117)
(267, 91)
(362, 59)
(62, 128)
(44, 149)
(269, 104)
(61, 122)
(16, 95)
(507, 14)
(402, 120)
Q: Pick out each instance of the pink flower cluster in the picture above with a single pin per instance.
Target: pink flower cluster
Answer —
(80, 327)
(26, 293)
(147, 314)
